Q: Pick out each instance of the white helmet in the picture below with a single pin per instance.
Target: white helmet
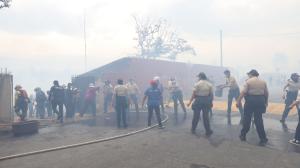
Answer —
(156, 78)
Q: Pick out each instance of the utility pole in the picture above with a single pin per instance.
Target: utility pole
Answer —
(221, 48)
(84, 34)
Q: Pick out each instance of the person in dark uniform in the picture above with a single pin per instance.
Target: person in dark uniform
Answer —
(40, 99)
(48, 105)
(21, 102)
(70, 101)
(290, 94)
(296, 139)
(153, 96)
(121, 102)
(56, 97)
(234, 92)
(202, 99)
(256, 97)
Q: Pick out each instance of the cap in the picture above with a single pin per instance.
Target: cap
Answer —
(253, 72)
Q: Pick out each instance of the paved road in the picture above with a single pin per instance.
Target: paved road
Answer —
(173, 147)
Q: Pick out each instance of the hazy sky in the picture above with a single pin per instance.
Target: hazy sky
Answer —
(42, 40)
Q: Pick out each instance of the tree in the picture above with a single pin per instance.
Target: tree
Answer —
(155, 39)
(4, 3)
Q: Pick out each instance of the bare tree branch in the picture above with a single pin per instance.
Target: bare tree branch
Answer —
(155, 39)
(4, 3)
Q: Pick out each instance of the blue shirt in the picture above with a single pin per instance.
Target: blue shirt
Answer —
(154, 96)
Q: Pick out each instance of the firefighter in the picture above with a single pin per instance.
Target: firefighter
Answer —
(290, 94)
(153, 95)
(256, 97)
(202, 99)
(56, 97)
(90, 99)
(40, 98)
(121, 102)
(176, 95)
(70, 101)
(296, 139)
(108, 92)
(133, 91)
(234, 92)
(21, 102)
(161, 88)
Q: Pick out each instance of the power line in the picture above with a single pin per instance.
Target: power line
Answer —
(265, 35)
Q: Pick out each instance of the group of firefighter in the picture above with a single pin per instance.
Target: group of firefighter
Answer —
(122, 95)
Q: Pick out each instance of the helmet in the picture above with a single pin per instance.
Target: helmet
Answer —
(153, 82)
(156, 78)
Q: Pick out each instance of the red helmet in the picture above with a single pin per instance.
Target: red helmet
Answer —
(153, 82)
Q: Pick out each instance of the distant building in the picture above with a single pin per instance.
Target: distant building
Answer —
(143, 70)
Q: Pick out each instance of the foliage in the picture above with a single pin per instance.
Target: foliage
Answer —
(155, 39)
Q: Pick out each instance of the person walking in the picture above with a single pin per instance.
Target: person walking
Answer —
(56, 97)
(234, 92)
(296, 139)
(21, 102)
(256, 96)
(290, 94)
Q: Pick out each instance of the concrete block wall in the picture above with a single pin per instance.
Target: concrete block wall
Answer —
(6, 98)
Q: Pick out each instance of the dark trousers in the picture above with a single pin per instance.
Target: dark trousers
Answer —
(70, 110)
(89, 104)
(178, 97)
(155, 108)
(60, 111)
(233, 94)
(290, 98)
(254, 107)
(201, 103)
(121, 108)
(107, 102)
(49, 109)
(30, 108)
(21, 110)
(205, 113)
(297, 134)
(40, 109)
